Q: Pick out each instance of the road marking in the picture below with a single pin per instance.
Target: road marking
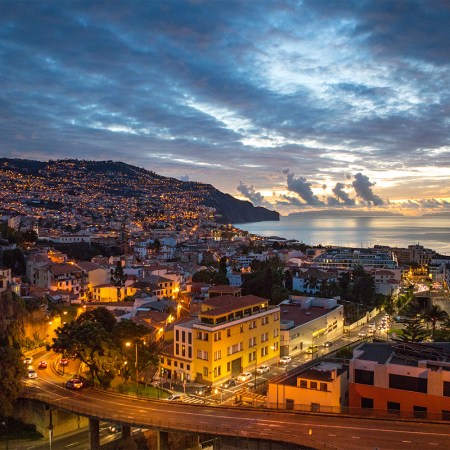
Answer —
(432, 443)
(332, 435)
(70, 445)
(407, 442)
(356, 437)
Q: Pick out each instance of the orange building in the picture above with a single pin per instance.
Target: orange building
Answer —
(404, 379)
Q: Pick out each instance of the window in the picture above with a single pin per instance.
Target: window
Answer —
(408, 383)
(275, 346)
(366, 403)
(202, 354)
(183, 336)
(275, 332)
(235, 348)
(419, 412)
(364, 376)
(217, 371)
(264, 351)
(265, 320)
(252, 357)
(446, 392)
(324, 387)
(303, 384)
(177, 349)
(228, 366)
(445, 415)
(242, 328)
(313, 385)
(190, 338)
(264, 337)
(217, 336)
(315, 407)
(252, 325)
(252, 342)
(276, 316)
(229, 332)
(289, 403)
(183, 350)
(393, 408)
(205, 371)
(217, 355)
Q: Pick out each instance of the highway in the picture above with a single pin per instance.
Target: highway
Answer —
(342, 432)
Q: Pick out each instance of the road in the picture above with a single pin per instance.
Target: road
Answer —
(343, 432)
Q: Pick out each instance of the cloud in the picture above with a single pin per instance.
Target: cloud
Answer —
(185, 178)
(342, 196)
(255, 197)
(363, 190)
(302, 188)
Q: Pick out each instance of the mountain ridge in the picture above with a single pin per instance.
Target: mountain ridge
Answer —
(123, 179)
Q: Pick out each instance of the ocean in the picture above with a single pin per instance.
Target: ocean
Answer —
(363, 231)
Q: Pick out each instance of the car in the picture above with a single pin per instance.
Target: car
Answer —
(28, 360)
(63, 362)
(285, 360)
(31, 373)
(74, 383)
(362, 333)
(263, 369)
(327, 344)
(114, 428)
(245, 376)
(312, 349)
(174, 398)
(42, 365)
(228, 384)
(204, 391)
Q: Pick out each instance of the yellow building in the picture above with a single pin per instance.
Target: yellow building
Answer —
(322, 387)
(229, 336)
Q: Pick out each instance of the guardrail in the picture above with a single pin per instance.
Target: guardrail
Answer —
(175, 425)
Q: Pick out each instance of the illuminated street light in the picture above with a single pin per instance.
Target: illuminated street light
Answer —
(128, 344)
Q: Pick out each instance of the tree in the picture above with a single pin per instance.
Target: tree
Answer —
(100, 316)
(362, 287)
(223, 265)
(413, 332)
(12, 370)
(118, 279)
(435, 314)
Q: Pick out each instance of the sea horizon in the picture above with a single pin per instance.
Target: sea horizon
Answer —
(361, 231)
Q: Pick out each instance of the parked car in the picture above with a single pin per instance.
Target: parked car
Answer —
(63, 362)
(312, 349)
(28, 360)
(175, 398)
(327, 344)
(31, 373)
(204, 391)
(245, 376)
(263, 369)
(74, 383)
(228, 384)
(42, 365)
(362, 333)
(285, 360)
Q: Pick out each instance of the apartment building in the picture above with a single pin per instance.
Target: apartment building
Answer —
(309, 321)
(346, 258)
(404, 379)
(322, 387)
(229, 336)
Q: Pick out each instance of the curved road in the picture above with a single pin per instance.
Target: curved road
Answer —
(337, 431)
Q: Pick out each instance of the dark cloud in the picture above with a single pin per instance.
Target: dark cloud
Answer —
(303, 189)
(255, 197)
(363, 190)
(342, 196)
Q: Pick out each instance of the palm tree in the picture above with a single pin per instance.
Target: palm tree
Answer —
(435, 314)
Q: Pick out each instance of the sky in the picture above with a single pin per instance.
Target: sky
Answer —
(293, 105)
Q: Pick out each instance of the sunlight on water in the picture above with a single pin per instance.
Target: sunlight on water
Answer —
(431, 232)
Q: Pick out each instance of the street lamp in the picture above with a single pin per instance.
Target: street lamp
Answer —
(128, 344)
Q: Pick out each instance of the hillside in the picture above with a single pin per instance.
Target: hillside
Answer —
(68, 184)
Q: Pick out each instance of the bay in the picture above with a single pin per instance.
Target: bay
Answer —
(359, 231)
